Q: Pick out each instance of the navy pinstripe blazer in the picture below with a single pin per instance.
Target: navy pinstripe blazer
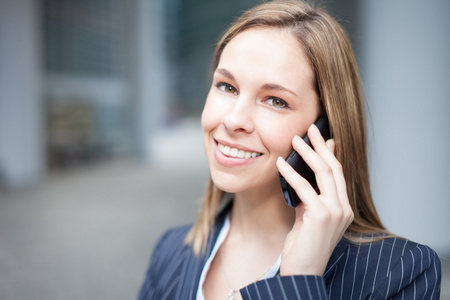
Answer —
(393, 268)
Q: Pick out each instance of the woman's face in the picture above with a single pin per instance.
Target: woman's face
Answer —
(262, 95)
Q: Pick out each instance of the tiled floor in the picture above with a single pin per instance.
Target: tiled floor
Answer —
(88, 233)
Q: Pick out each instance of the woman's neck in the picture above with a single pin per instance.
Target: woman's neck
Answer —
(261, 217)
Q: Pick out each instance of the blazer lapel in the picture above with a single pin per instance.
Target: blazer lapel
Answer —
(193, 266)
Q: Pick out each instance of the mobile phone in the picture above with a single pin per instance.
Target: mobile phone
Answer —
(299, 165)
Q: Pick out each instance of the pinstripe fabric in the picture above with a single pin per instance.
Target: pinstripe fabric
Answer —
(390, 269)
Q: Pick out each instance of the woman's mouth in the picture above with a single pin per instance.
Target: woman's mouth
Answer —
(236, 153)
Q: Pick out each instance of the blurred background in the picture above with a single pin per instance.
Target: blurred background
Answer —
(100, 140)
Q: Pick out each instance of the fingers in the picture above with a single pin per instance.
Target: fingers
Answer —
(328, 171)
(329, 175)
(301, 186)
(331, 145)
(320, 160)
(325, 150)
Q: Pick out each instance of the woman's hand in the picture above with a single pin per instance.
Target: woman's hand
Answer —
(321, 219)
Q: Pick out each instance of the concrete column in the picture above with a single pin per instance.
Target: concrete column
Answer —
(406, 69)
(21, 113)
(148, 73)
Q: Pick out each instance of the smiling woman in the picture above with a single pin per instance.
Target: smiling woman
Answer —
(278, 68)
(261, 97)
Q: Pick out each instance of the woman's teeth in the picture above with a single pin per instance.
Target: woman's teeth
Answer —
(234, 152)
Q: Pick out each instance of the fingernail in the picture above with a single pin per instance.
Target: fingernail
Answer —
(280, 159)
(315, 130)
(298, 139)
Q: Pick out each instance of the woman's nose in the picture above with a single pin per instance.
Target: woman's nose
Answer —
(239, 118)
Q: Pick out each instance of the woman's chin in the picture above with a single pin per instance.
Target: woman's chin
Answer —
(227, 187)
(236, 185)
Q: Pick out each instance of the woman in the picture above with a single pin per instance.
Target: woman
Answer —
(277, 69)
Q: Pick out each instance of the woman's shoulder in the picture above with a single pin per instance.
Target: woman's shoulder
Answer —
(176, 233)
(389, 265)
(387, 251)
(171, 265)
(167, 251)
(388, 248)
(172, 239)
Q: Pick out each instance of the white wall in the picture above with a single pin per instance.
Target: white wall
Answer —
(406, 70)
(21, 112)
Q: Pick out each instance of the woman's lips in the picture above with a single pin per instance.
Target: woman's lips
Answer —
(232, 156)
(235, 152)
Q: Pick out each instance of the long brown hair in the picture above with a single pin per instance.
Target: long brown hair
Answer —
(340, 92)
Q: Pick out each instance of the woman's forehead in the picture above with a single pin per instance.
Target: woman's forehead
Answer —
(267, 52)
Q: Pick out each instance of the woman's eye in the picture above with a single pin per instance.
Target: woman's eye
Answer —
(228, 88)
(277, 102)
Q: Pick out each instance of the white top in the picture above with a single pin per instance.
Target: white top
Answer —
(220, 239)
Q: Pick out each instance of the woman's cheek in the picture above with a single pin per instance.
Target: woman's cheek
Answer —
(279, 138)
(208, 116)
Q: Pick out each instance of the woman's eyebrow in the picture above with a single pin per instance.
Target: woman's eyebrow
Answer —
(273, 86)
(267, 86)
(226, 73)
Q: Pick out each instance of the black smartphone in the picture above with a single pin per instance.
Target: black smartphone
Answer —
(299, 165)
